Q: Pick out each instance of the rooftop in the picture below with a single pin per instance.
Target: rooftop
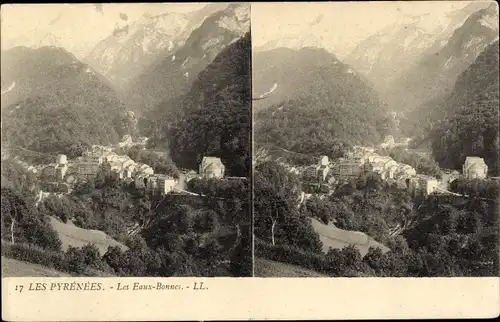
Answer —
(474, 160)
(163, 177)
(211, 159)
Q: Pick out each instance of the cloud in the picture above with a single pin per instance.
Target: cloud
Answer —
(123, 16)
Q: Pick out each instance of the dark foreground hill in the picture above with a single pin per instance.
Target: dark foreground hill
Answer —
(213, 117)
(469, 117)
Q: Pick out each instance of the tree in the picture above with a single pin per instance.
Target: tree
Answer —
(25, 224)
(377, 261)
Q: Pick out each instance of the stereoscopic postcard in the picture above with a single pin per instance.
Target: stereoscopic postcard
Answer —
(234, 161)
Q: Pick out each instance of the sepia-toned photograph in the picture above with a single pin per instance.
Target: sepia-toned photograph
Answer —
(125, 140)
(375, 131)
(185, 161)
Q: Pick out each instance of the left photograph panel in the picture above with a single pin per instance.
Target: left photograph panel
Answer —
(126, 140)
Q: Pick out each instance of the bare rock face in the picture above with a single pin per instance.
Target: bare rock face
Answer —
(390, 53)
(132, 47)
(173, 72)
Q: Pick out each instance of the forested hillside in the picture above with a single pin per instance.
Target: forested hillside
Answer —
(318, 103)
(213, 118)
(423, 237)
(51, 102)
(165, 235)
(469, 117)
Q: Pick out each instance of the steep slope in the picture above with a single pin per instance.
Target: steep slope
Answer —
(51, 101)
(389, 53)
(469, 117)
(336, 238)
(213, 117)
(318, 100)
(172, 75)
(127, 52)
(435, 74)
(74, 236)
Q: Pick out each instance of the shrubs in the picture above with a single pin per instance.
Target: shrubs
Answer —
(84, 261)
(345, 262)
(291, 255)
(35, 254)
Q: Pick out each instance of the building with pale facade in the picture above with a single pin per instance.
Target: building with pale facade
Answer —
(423, 185)
(165, 184)
(323, 161)
(211, 167)
(345, 169)
(474, 168)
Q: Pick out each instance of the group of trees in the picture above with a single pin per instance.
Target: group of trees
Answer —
(457, 238)
(159, 163)
(165, 235)
(367, 204)
(321, 105)
(21, 221)
(57, 104)
(476, 188)
(472, 130)
(439, 236)
(205, 231)
(214, 116)
(277, 219)
(468, 124)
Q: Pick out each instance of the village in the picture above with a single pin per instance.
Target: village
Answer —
(323, 177)
(60, 177)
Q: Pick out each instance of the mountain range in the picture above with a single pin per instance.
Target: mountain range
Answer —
(434, 74)
(161, 55)
(172, 75)
(389, 54)
(130, 49)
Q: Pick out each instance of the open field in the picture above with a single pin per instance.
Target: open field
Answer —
(339, 238)
(72, 235)
(269, 268)
(15, 268)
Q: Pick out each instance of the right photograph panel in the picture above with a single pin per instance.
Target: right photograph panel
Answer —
(375, 129)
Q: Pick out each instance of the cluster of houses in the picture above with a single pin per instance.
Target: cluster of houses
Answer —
(61, 175)
(98, 158)
(320, 177)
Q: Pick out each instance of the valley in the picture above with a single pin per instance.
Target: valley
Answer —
(355, 158)
(226, 139)
(114, 161)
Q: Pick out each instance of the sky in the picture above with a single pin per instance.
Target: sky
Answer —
(76, 26)
(343, 24)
